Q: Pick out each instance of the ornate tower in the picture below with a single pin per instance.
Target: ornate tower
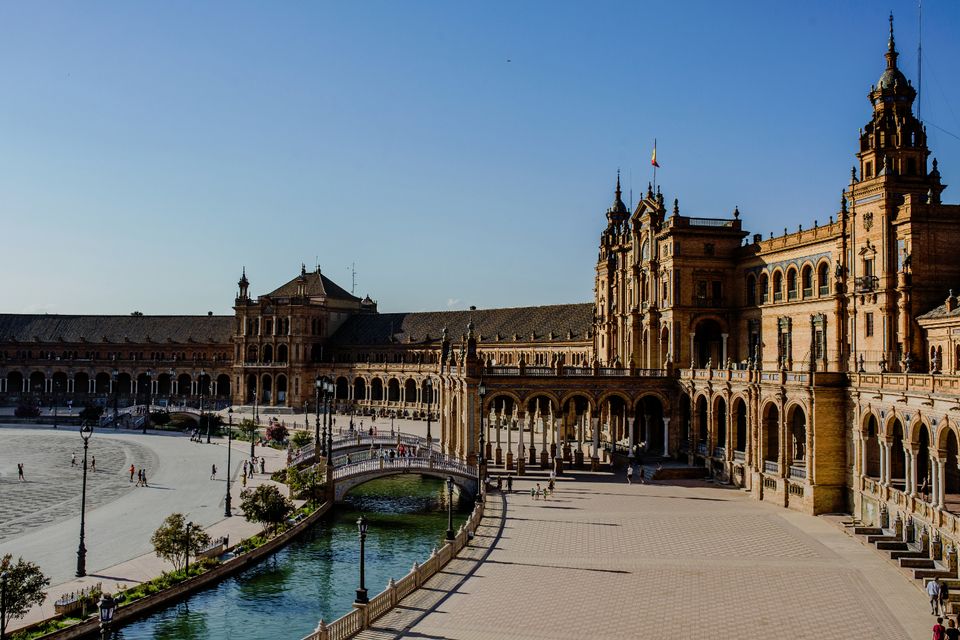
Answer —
(244, 286)
(611, 264)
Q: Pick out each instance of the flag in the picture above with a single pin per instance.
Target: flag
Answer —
(653, 158)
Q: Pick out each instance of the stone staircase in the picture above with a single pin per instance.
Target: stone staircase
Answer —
(918, 559)
(670, 470)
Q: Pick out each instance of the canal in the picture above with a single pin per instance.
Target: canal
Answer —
(317, 575)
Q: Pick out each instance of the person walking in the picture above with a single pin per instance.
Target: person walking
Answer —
(933, 590)
(244, 478)
(939, 632)
(263, 464)
(213, 472)
(145, 478)
(509, 484)
(629, 474)
(952, 633)
(73, 459)
(139, 477)
(93, 463)
(944, 597)
(20, 477)
(132, 469)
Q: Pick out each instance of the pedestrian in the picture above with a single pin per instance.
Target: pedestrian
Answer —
(952, 633)
(509, 484)
(244, 477)
(73, 459)
(139, 477)
(213, 472)
(93, 463)
(263, 464)
(20, 472)
(629, 474)
(944, 598)
(534, 494)
(939, 632)
(145, 478)
(132, 469)
(933, 590)
(500, 484)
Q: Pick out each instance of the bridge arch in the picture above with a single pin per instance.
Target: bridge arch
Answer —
(464, 481)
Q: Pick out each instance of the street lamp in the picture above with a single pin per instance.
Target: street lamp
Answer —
(318, 383)
(85, 432)
(116, 393)
(481, 460)
(56, 388)
(226, 502)
(146, 418)
(393, 414)
(107, 606)
(3, 605)
(449, 507)
(202, 374)
(362, 531)
(186, 568)
(328, 389)
(428, 385)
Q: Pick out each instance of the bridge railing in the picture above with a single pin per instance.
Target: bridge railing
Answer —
(434, 462)
(362, 616)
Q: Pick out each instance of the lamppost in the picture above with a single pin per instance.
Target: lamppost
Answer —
(186, 566)
(202, 374)
(146, 418)
(85, 432)
(317, 445)
(56, 388)
(256, 408)
(328, 389)
(428, 385)
(227, 512)
(450, 508)
(107, 606)
(481, 459)
(3, 605)
(362, 530)
(116, 393)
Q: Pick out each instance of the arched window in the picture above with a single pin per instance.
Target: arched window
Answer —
(823, 279)
(645, 250)
(764, 288)
(777, 286)
(806, 281)
(751, 290)
(791, 284)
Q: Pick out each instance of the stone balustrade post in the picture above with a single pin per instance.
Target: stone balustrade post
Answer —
(909, 532)
(321, 633)
(898, 527)
(884, 516)
(924, 541)
(936, 547)
(952, 559)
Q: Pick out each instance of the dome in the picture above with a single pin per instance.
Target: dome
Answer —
(891, 77)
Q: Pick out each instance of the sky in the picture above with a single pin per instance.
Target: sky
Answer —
(455, 153)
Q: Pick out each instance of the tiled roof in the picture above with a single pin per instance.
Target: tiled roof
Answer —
(317, 285)
(940, 312)
(116, 329)
(524, 322)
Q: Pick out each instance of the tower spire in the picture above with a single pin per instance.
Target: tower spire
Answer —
(891, 54)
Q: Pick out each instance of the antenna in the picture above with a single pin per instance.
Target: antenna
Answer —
(631, 189)
(919, 57)
(353, 278)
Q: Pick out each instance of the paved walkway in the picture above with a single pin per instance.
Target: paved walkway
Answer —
(120, 518)
(608, 560)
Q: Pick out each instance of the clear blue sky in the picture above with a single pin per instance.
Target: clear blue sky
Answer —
(459, 153)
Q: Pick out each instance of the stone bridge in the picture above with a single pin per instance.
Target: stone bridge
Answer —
(437, 465)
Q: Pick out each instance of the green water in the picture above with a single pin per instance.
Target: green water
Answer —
(317, 575)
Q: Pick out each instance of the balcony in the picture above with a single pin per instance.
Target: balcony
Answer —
(708, 301)
(778, 296)
(866, 284)
(739, 456)
(798, 471)
(771, 466)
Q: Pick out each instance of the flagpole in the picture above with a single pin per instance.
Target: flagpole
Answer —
(654, 165)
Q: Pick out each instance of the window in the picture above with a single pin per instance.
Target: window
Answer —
(868, 170)
(868, 267)
(911, 166)
(792, 284)
(717, 291)
(764, 288)
(751, 290)
(868, 318)
(823, 279)
(806, 278)
(777, 286)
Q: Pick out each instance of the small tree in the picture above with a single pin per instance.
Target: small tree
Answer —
(26, 587)
(248, 429)
(277, 432)
(266, 505)
(301, 438)
(170, 540)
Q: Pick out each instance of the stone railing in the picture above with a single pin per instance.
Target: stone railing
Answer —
(921, 382)
(363, 615)
(739, 456)
(771, 466)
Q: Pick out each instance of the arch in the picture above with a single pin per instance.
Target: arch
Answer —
(951, 474)
(720, 421)
(898, 453)
(266, 388)
(763, 284)
(223, 386)
(376, 390)
(771, 432)
(610, 395)
(410, 390)
(806, 280)
(792, 283)
(59, 382)
(651, 410)
(917, 429)
(500, 400)
(203, 383)
(267, 356)
(777, 280)
(393, 390)
(37, 382)
(281, 388)
(923, 461)
(665, 351)
(871, 444)
(252, 354)
(164, 384)
(185, 384)
(797, 429)
(124, 383)
(574, 395)
(359, 389)
(251, 391)
(343, 388)
(466, 484)
(686, 429)
(101, 383)
(823, 278)
(740, 424)
(282, 353)
(81, 383)
(701, 415)
(751, 289)
(540, 393)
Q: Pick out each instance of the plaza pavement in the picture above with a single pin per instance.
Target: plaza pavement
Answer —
(603, 559)
(39, 519)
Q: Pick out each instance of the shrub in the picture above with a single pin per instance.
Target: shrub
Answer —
(266, 505)
(301, 438)
(277, 432)
(170, 540)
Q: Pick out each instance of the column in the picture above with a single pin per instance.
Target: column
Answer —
(111, 385)
(666, 437)
(939, 484)
(91, 385)
(509, 443)
(888, 467)
(693, 359)
(632, 438)
(596, 438)
(863, 455)
(723, 350)
(910, 472)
